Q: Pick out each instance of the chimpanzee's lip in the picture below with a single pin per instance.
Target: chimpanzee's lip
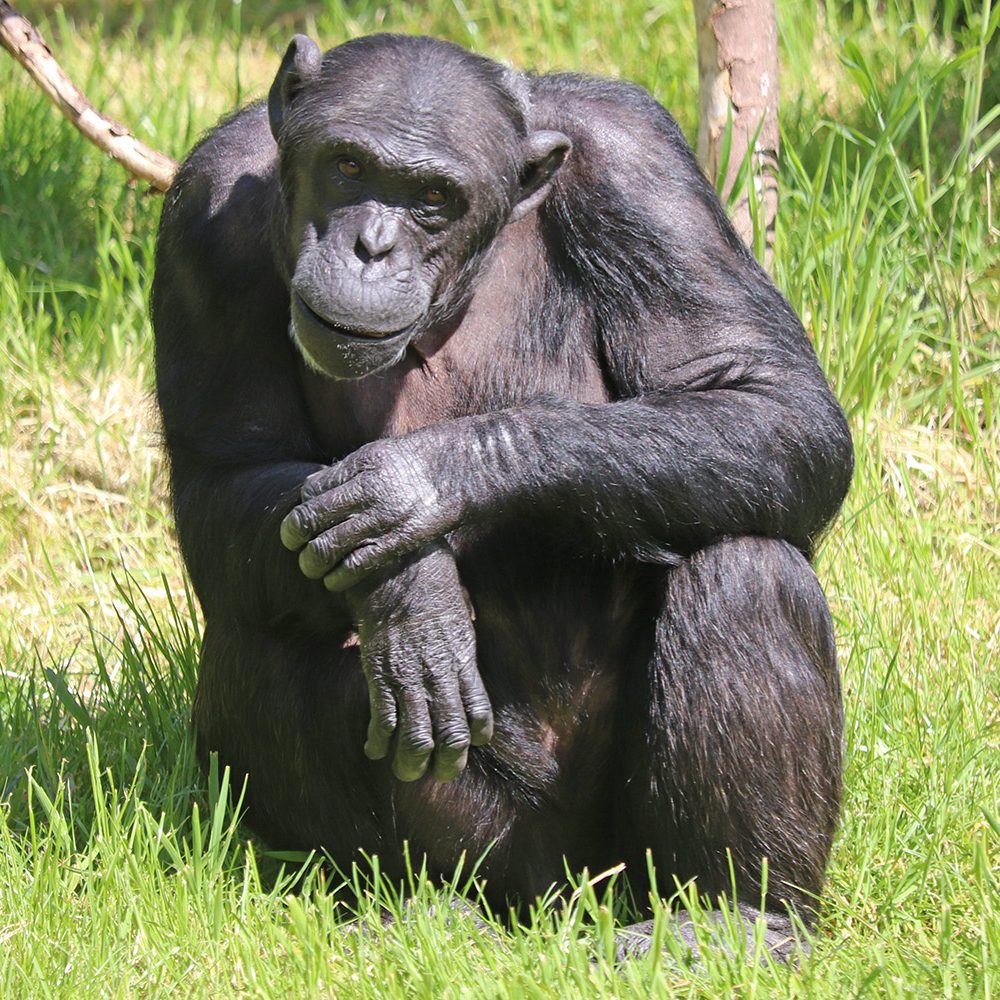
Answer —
(343, 331)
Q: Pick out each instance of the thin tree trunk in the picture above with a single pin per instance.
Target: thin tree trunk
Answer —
(738, 73)
(19, 37)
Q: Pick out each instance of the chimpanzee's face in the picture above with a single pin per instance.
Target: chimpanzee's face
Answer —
(394, 186)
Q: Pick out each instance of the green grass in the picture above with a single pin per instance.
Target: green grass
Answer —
(122, 869)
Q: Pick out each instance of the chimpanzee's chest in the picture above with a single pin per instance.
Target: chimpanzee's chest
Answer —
(480, 368)
(522, 336)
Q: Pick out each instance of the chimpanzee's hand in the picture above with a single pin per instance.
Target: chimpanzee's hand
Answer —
(418, 651)
(365, 512)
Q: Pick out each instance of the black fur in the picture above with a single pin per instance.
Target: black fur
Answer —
(606, 416)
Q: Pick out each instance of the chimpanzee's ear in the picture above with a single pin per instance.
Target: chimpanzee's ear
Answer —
(301, 63)
(544, 153)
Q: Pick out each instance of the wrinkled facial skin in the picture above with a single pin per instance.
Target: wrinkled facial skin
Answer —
(377, 242)
(391, 195)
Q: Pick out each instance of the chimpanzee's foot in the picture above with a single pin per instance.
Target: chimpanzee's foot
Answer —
(780, 939)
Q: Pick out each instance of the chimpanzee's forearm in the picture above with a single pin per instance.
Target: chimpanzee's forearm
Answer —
(665, 472)
(227, 522)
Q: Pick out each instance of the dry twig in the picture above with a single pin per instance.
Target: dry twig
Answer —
(20, 38)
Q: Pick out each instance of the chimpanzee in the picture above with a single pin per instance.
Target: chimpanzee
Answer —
(495, 453)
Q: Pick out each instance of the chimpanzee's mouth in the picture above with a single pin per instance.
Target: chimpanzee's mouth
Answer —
(343, 352)
(343, 331)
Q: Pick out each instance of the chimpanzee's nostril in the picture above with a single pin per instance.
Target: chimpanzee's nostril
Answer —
(375, 242)
(367, 254)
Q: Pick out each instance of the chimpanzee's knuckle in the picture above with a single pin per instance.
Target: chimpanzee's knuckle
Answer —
(464, 656)
(364, 559)
(384, 717)
(317, 483)
(480, 714)
(383, 720)
(416, 745)
(357, 558)
(315, 558)
(454, 741)
(310, 488)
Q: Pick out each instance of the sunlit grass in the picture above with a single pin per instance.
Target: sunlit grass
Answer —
(122, 872)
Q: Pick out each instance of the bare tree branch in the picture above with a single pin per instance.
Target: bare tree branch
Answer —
(738, 72)
(19, 37)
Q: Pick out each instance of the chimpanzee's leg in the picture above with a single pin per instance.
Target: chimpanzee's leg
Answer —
(735, 732)
(291, 712)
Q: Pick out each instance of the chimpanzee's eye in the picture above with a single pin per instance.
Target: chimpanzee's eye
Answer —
(434, 197)
(349, 168)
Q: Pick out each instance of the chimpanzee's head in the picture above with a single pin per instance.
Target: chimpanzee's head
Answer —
(400, 160)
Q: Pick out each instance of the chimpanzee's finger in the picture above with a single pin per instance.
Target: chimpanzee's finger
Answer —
(328, 550)
(329, 478)
(477, 706)
(365, 559)
(315, 516)
(415, 739)
(382, 724)
(451, 730)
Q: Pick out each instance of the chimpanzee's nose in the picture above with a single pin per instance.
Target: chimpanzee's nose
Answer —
(377, 238)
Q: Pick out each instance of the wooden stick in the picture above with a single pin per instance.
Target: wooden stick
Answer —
(19, 37)
(738, 77)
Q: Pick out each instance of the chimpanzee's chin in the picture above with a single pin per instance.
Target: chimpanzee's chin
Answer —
(342, 354)
(352, 361)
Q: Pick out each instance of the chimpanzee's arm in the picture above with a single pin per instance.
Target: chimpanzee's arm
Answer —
(240, 447)
(761, 449)
(233, 419)
(229, 495)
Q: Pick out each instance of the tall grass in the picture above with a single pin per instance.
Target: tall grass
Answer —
(123, 870)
